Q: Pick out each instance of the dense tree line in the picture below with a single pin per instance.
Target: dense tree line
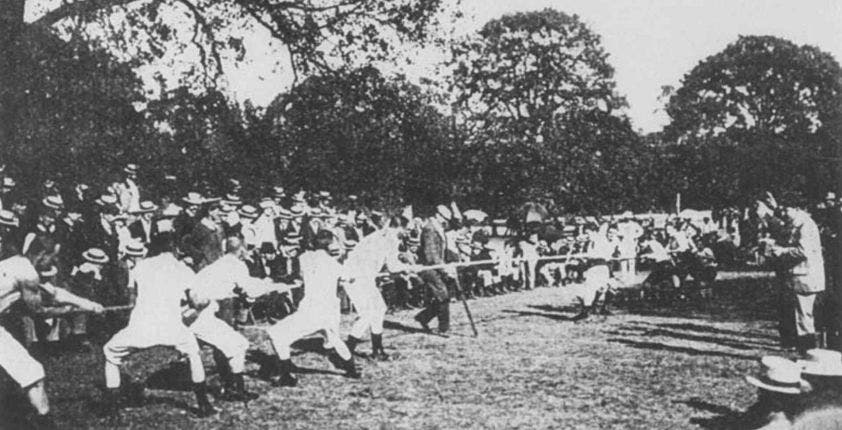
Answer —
(530, 113)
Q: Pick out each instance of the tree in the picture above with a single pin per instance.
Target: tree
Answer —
(770, 105)
(312, 32)
(521, 71)
(359, 132)
(79, 113)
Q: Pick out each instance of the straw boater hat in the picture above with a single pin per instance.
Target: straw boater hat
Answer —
(324, 195)
(284, 213)
(226, 208)
(779, 375)
(130, 169)
(95, 255)
(266, 203)
(8, 182)
(232, 200)
(107, 200)
(48, 271)
(350, 244)
(135, 248)
(53, 202)
(315, 212)
(278, 192)
(292, 239)
(296, 212)
(822, 362)
(444, 212)
(248, 212)
(830, 196)
(9, 218)
(193, 198)
(145, 207)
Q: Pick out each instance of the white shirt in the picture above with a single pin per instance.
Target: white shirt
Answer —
(13, 271)
(320, 273)
(217, 281)
(161, 282)
(372, 253)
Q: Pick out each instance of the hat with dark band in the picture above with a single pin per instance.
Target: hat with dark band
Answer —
(146, 206)
(95, 255)
(53, 202)
(9, 218)
(135, 248)
(248, 211)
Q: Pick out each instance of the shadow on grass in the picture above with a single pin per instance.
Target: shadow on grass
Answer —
(749, 299)
(741, 342)
(556, 317)
(264, 359)
(655, 346)
(726, 418)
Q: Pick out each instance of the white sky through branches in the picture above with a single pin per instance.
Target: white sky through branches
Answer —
(651, 43)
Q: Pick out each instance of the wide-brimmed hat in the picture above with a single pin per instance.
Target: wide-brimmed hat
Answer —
(232, 200)
(324, 194)
(444, 212)
(95, 255)
(248, 211)
(8, 182)
(145, 206)
(413, 241)
(830, 196)
(822, 362)
(779, 375)
(171, 211)
(130, 169)
(193, 198)
(107, 200)
(296, 212)
(53, 202)
(334, 248)
(316, 212)
(278, 192)
(48, 271)
(350, 244)
(135, 248)
(284, 213)
(291, 239)
(9, 218)
(266, 203)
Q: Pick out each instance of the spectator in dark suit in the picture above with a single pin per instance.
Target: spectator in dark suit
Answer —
(433, 247)
(99, 230)
(143, 229)
(204, 244)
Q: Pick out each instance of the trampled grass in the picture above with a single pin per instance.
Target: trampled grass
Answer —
(646, 366)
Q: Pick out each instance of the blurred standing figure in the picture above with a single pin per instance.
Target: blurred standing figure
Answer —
(433, 247)
(127, 190)
(796, 253)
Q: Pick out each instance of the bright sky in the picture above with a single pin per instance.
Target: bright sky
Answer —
(651, 42)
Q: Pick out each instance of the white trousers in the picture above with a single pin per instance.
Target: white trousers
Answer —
(370, 306)
(14, 359)
(136, 337)
(301, 324)
(596, 281)
(212, 330)
(804, 321)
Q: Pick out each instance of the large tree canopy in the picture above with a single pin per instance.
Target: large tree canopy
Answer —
(529, 68)
(758, 84)
(311, 32)
(764, 113)
(360, 132)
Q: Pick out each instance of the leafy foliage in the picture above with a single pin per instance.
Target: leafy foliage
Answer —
(523, 70)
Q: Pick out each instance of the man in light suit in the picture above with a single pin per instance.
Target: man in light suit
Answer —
(796, 252)
(433, 247)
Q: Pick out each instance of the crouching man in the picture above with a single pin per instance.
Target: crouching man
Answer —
(318, 312)
(163, 285)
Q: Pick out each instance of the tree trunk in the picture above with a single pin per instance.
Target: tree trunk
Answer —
(11, 30)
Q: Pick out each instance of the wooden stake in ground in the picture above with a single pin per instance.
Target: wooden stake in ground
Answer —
(465, 304)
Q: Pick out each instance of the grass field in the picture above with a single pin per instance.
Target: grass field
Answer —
(645, 366)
